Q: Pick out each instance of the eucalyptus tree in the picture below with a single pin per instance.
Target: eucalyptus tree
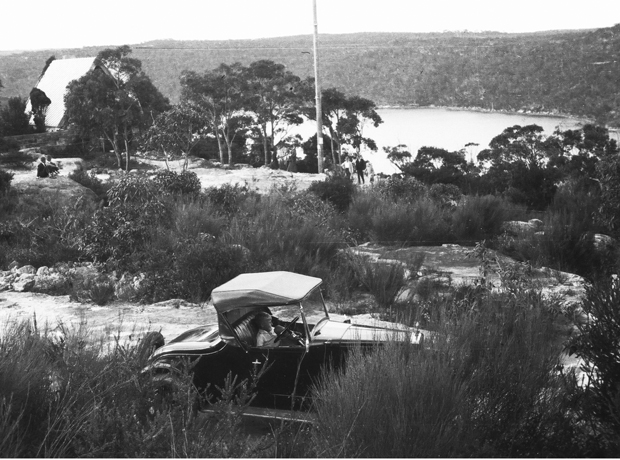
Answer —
(434, 165)
(518, 162)
(277, 97)
(222, 97)
(176, 132)
(13, 118)
(345, 118)
(114, 101)
(359, 112)
(398, 155)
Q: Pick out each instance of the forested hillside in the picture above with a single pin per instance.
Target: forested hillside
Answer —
(574, 72)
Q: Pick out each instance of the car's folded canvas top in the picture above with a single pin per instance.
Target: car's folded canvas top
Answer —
(263, 289)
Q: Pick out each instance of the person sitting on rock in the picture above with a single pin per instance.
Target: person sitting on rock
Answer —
(42, 168)
(52, 168)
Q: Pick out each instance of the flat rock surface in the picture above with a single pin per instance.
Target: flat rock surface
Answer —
(59, 188)
(129, 321)
(261, 180)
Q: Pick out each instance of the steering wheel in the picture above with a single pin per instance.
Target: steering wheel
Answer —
(286, 329)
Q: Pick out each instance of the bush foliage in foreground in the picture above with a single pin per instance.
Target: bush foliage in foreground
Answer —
(67, 393)
(487, 387)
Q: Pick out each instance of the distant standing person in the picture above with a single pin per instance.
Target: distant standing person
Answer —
(360, 167)
(371, 172)
(347, 165)
(351, 168)
(42, 168)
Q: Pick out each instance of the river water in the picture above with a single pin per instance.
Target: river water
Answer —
(449, 129)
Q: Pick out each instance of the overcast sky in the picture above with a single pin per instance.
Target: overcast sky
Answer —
(46, 24)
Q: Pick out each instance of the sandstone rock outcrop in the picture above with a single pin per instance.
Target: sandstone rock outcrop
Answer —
(61, 189)
(517, 228)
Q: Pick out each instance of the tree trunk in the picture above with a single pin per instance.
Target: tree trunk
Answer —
(331, 140)
(115, 147)
(265, 149)
(274, 158)
(126, 155)
(228, 147)
(220, 146)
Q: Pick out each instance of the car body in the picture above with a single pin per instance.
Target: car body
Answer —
(289, 369)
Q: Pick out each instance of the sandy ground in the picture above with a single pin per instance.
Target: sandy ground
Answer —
(127, 321)
(261, 180)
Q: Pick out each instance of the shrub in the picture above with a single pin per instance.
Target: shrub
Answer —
(407, 189)
(200, 265)
(477, 218)
(69, 393)
(597, 344)
(5, 181)
(487, 386)
(385, 281)
(42, 233)
(99, 290)
(16, 159)
(92, 182)
(123, 228)
(445, 193)
(336, 189)
(420, 223)
(75, 149)
(116, 232)
(7, 144)
(136, 189)
(192, 217)
(228, 198)
(184, 183)
(360, 213)
(567, 244)
(278, 241)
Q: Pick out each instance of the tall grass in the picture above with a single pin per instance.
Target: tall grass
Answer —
(275, 240)
(566, 244)
(65, 393)
(385, 281)
(487, 387)
(477, 218)
(422, 222)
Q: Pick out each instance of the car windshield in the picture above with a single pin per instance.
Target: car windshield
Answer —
(313, 308)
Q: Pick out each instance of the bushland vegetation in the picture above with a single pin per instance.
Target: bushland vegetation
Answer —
(495, 388)
(490, 384)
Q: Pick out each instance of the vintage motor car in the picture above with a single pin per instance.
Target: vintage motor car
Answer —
(308, 341)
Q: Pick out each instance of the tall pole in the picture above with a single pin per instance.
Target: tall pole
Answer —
(317, 86)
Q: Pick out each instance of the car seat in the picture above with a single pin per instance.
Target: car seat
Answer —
(246, 330)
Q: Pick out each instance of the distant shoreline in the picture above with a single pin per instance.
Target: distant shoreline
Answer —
(582, 120)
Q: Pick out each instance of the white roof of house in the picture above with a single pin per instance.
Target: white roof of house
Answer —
(54, 83)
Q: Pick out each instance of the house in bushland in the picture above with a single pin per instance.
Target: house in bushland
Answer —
(53, 83)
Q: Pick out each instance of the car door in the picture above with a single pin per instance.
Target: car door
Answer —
(277, 371)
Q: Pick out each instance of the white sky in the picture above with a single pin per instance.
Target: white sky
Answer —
(48, 24)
